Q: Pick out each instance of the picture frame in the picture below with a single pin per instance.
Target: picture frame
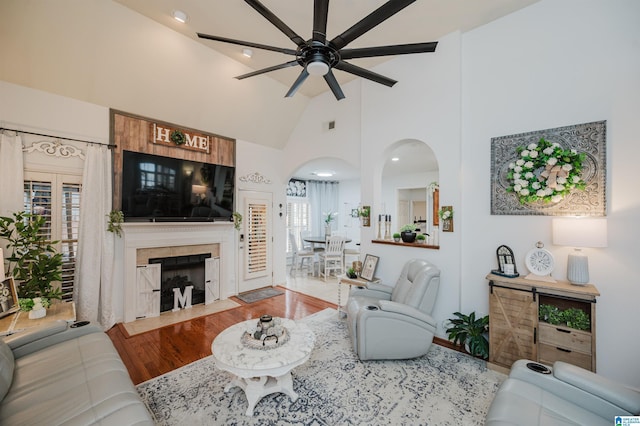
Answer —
(369, 267)
(8, 297)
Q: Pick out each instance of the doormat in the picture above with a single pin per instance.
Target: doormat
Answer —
(261, 294)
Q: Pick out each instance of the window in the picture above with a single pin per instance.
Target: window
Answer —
(56, 197)
(298, 220)
(154, 176)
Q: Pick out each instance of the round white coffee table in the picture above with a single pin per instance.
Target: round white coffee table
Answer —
(260, 372)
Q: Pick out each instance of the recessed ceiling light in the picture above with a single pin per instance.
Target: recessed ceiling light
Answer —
(324, 174)
(247, 52)
(180, 16)
(395, 159)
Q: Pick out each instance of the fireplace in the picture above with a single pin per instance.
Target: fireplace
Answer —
(180, 272)
(143, 244)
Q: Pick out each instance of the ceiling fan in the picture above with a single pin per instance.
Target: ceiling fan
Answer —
(319, 56)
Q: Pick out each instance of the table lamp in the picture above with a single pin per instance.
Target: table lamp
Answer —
(579, 232)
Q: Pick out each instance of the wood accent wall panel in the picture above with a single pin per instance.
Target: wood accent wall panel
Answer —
(134, 133)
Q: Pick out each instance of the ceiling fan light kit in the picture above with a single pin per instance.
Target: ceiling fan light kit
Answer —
(319, 56)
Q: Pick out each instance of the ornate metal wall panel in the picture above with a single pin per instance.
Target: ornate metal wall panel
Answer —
(587, 138)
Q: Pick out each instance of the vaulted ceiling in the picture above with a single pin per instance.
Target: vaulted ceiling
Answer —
(422, 21)
(131, 55)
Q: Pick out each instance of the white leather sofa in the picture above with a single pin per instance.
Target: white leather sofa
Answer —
(64, 375)
(562, 395)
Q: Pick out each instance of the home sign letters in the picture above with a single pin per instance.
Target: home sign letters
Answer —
(179, 138)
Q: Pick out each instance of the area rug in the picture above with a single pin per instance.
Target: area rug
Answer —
(261, 294)
(443, 387)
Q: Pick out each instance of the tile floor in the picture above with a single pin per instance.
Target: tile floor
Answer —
(317, 287)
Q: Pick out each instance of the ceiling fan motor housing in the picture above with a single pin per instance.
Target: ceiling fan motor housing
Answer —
(317, 58)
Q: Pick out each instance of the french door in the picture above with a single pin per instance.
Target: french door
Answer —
(256, 241)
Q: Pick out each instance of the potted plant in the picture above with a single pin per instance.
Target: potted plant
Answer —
(237, 220)
(471, 332)
(351, 273)
(114, 223)
(34, 262)
(365, 215)
(396, 237)
(408, 233)
(571, 317)
(329, 217)
(421, 239)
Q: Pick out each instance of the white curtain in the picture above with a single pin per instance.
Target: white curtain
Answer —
(12, 181)
(323, 199)
(93, 285)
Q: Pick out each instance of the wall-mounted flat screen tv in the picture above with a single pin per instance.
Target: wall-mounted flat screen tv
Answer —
(158, 188)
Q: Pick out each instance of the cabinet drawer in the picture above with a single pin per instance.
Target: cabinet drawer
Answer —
(565, 337)
(549, 354)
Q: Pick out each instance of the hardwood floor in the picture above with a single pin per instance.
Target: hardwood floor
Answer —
(157, 352)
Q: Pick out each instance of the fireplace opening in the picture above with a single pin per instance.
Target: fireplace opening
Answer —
(180, 272)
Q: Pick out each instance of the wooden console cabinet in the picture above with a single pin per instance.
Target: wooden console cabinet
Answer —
(515, 331)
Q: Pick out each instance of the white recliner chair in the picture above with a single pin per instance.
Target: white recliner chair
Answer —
(395, 322)
(562, 395)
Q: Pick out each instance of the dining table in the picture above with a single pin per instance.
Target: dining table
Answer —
(322, 239)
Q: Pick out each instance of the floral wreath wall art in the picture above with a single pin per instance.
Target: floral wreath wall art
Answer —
(552, 172)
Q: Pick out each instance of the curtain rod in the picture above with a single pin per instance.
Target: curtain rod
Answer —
(110, 146)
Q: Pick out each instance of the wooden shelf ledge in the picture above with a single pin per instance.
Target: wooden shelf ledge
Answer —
(400, 243)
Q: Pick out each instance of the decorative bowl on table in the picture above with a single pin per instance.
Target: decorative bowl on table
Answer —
(267, 333)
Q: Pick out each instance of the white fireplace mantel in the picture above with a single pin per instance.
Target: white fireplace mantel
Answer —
(140, 235)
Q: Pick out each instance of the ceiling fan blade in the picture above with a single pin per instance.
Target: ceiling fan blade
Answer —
(399, 49)
(269, 69)
(320, 13)
(271, 17)
(376, 17)
(296, 84)
(333, 85)
(248, 44)
(364, 73)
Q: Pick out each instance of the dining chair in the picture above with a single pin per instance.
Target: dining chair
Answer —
(301, 256)
(332, 259)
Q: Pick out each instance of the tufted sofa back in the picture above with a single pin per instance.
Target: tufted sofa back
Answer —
(417, 285)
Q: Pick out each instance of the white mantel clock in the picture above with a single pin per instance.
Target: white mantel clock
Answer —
(540, 263)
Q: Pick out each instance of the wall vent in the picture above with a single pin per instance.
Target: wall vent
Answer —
(332, 125)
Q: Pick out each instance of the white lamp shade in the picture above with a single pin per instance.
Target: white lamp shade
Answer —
(580, 232)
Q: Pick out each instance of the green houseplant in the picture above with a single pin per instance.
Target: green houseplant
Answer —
(396, 237)
(114, 222)
(237, 220)
(34, 262)
(571, 317)
(470, 331)
(408, 233)
(421, 238)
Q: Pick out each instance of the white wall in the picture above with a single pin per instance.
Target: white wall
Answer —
(551, 64)
(425, 106)
(267, 162)
(348, 199)
(556, 64)
(104, 53)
